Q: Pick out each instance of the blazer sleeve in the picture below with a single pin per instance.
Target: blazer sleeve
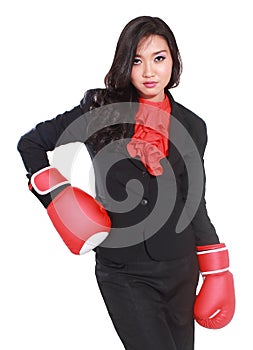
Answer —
(46, 136)
(203, 228)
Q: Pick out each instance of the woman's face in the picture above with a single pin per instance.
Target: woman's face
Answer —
(152, 67)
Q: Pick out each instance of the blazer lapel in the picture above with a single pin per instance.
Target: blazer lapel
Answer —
(175, 136)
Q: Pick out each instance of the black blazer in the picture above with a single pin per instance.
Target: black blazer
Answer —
(161, 217)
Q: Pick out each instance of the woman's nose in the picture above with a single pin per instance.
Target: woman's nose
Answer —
(147, 71)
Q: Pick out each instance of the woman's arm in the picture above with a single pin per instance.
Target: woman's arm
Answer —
(203, 228)
(34, 145)
(62, 201)
(46, 136)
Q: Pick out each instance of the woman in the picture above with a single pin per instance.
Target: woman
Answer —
(147, 152)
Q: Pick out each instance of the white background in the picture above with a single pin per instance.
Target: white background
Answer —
(51, 52)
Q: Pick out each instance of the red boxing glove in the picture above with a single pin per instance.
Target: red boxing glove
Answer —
(215, 304)
(80, 220)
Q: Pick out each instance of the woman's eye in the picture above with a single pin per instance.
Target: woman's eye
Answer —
(137, 61)
(160, 58)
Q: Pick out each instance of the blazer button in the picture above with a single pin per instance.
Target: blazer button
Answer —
(144, 201)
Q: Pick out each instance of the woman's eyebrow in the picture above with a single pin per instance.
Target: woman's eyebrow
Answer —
(154, 53)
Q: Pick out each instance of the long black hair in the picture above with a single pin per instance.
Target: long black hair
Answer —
(118, 86)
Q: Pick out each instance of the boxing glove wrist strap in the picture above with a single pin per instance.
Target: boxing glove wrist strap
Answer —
(213, 259)
(46, 184)
(47, 180)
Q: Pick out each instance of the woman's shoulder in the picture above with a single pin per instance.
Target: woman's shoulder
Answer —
(90, 98)
(189, 117)
(188, 113)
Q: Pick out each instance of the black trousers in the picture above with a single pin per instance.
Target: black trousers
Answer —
(150, 302)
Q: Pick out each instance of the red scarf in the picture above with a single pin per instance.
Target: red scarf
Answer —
(151, 133)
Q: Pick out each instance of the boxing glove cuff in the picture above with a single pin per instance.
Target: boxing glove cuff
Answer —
(46, 180)
(213, 259)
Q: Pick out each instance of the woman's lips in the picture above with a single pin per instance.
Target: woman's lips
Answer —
(150, 84)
